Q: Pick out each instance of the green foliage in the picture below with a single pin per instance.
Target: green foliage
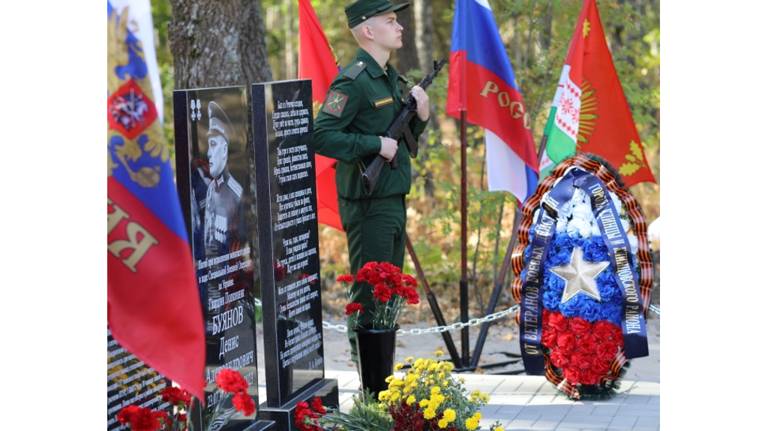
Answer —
(365, 415)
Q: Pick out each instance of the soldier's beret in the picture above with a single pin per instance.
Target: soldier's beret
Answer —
(361, 10)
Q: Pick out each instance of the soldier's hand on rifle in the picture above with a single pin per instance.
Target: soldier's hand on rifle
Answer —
(422, 102)
(388, 148)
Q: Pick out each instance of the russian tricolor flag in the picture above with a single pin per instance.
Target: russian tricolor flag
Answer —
(482, 83)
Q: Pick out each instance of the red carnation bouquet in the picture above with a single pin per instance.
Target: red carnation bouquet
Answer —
(231, 382)
(307, 415)
(391, 290)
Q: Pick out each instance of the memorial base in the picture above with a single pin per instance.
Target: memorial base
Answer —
(327, 390)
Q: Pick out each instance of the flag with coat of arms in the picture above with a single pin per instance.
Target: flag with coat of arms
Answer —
(590, 113)
(153, 306)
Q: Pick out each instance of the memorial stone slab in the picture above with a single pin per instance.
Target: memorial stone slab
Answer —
(288, 246)
(130, 382)
(213, 167)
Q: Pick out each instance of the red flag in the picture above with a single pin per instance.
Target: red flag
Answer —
(590, 113)
(153, 306)
(316, 62)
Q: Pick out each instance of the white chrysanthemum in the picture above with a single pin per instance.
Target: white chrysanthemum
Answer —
(632, 243)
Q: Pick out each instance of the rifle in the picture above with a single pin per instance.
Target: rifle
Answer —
(400, 129)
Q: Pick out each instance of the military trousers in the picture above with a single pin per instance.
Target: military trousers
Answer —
(375, 231)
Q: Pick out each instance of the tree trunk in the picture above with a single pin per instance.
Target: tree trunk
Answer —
(217, 43)
(424, 34)
(424, 30)
(407, 56)
(290, 38)
(545, 36)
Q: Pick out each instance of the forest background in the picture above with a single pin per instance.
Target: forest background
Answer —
(536, 35)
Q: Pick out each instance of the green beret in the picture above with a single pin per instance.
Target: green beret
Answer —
(361, 10)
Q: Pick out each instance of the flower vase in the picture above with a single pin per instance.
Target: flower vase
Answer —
(376, 357)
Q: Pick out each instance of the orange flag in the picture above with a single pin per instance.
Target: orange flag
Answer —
(316, 62)
(589, 113)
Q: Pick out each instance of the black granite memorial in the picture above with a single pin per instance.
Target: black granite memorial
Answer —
(214, 157)
(130, 381)
(288, 246)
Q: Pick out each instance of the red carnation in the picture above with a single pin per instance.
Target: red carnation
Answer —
(572, 374)
(382, 292)
(589, 377)
(411, 296)
(601, 366)
(142, 419)
(587, 343)
(231, 381)
(317, 405)
(549, 338)
(345, 278)
(607, 350)
(176, 396)
(558, 359)
(579, 326)
(581, 360)
(353, 307)
(604, 330)
(244, 403)
(558, 321)
(566, 342)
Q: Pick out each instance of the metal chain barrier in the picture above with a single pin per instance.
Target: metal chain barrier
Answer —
(452, 327)
(655, 309)
(437, 329)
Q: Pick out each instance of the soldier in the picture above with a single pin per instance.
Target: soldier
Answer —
(361, 102)
(222, 201)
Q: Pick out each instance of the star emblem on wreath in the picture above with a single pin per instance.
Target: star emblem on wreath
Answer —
(579, 275)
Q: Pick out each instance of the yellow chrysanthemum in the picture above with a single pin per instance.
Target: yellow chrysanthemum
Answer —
(498, 428)
(410, 400)
(383, 395)
(409, 359)
(442, 423)
(439, 352)
(429, 414)
(423, 403)
(398, 366)
(471, 423)
(449, 415)
(435, 390)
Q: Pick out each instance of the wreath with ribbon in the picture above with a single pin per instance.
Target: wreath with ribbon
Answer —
(584, 274)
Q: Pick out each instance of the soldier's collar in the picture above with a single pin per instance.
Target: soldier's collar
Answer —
(372, 67)
(222, 179)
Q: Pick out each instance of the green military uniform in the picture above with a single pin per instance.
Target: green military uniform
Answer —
(361, 103)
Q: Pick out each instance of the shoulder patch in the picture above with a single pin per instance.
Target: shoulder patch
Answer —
(354, 70)
(334, 103)
(235, 186)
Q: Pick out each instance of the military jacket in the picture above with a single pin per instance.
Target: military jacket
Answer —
(223, 224)
(361, 103)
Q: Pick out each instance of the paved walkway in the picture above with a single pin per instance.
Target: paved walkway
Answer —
(532, 403)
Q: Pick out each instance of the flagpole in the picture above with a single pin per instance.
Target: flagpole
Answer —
(463, 288)
(499, 282)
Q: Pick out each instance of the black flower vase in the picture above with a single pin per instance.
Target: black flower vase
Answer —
(376, 357)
